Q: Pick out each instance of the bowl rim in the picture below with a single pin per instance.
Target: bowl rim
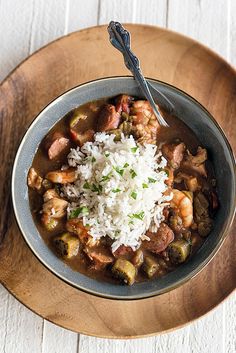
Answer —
(179, 282)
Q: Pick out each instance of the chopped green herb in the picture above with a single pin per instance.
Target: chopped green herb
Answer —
(133, 195)
(125, 165)
(138, 215)
(74, 213)
(145, 186)
(96, 188)
(106, 177)
(151, 180)
(167, 172)
(133, 173)
(93, 159)
(87, 225)
(119, 170)
(134, 149)
(115, 190)
(86, 185)
(79, 211)
(107, 154)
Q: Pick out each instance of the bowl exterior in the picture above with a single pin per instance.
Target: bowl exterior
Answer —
(187, 109)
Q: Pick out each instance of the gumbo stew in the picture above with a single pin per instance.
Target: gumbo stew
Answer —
(119, 198)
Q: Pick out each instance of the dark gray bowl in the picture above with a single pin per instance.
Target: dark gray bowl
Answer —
(188, 110)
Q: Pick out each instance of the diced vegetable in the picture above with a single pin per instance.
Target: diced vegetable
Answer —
(179, 251)
(126, 127)
(117, 133)
(76, 117)
(66, 245)
(124, 270)
(150, 266)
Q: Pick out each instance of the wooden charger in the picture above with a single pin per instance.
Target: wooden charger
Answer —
(71, 60)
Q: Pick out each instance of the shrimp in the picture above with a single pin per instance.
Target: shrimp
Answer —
(75, 225)
(62, 176)
(183, 207)
(145, 121)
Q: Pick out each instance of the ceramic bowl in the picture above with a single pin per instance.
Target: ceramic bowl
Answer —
(207, 131)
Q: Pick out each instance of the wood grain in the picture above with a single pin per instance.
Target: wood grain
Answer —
(14, 35)
(28, 280)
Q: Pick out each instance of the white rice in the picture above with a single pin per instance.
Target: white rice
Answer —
(121, 188)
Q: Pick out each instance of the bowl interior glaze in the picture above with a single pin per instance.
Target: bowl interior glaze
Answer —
(187, 109)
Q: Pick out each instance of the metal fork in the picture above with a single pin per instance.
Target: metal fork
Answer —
(120, 39)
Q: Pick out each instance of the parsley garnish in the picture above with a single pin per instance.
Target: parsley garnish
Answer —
(119, 170)
(133, 173)
(107, 154)
(93, 159)
(145, 186)
(96, 188)
(76, 212)
(115, 190)
(133, 195)
(139, 216)
(106, 177)
(125, 165)
(134, 149)
(86, 185)
(151, 180)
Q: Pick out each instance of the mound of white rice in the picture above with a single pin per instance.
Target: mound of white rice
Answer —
(120, 189)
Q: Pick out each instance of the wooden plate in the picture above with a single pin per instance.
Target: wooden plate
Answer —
(80, 57)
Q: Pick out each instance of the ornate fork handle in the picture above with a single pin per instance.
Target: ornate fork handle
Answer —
(120, 39)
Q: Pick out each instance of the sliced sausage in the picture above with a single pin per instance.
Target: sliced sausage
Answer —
(56, 144)
(160, 240)
(82, 138)
(122, 251)
(108, 118)
(123, 103)
(174, 153)
(99, 257)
